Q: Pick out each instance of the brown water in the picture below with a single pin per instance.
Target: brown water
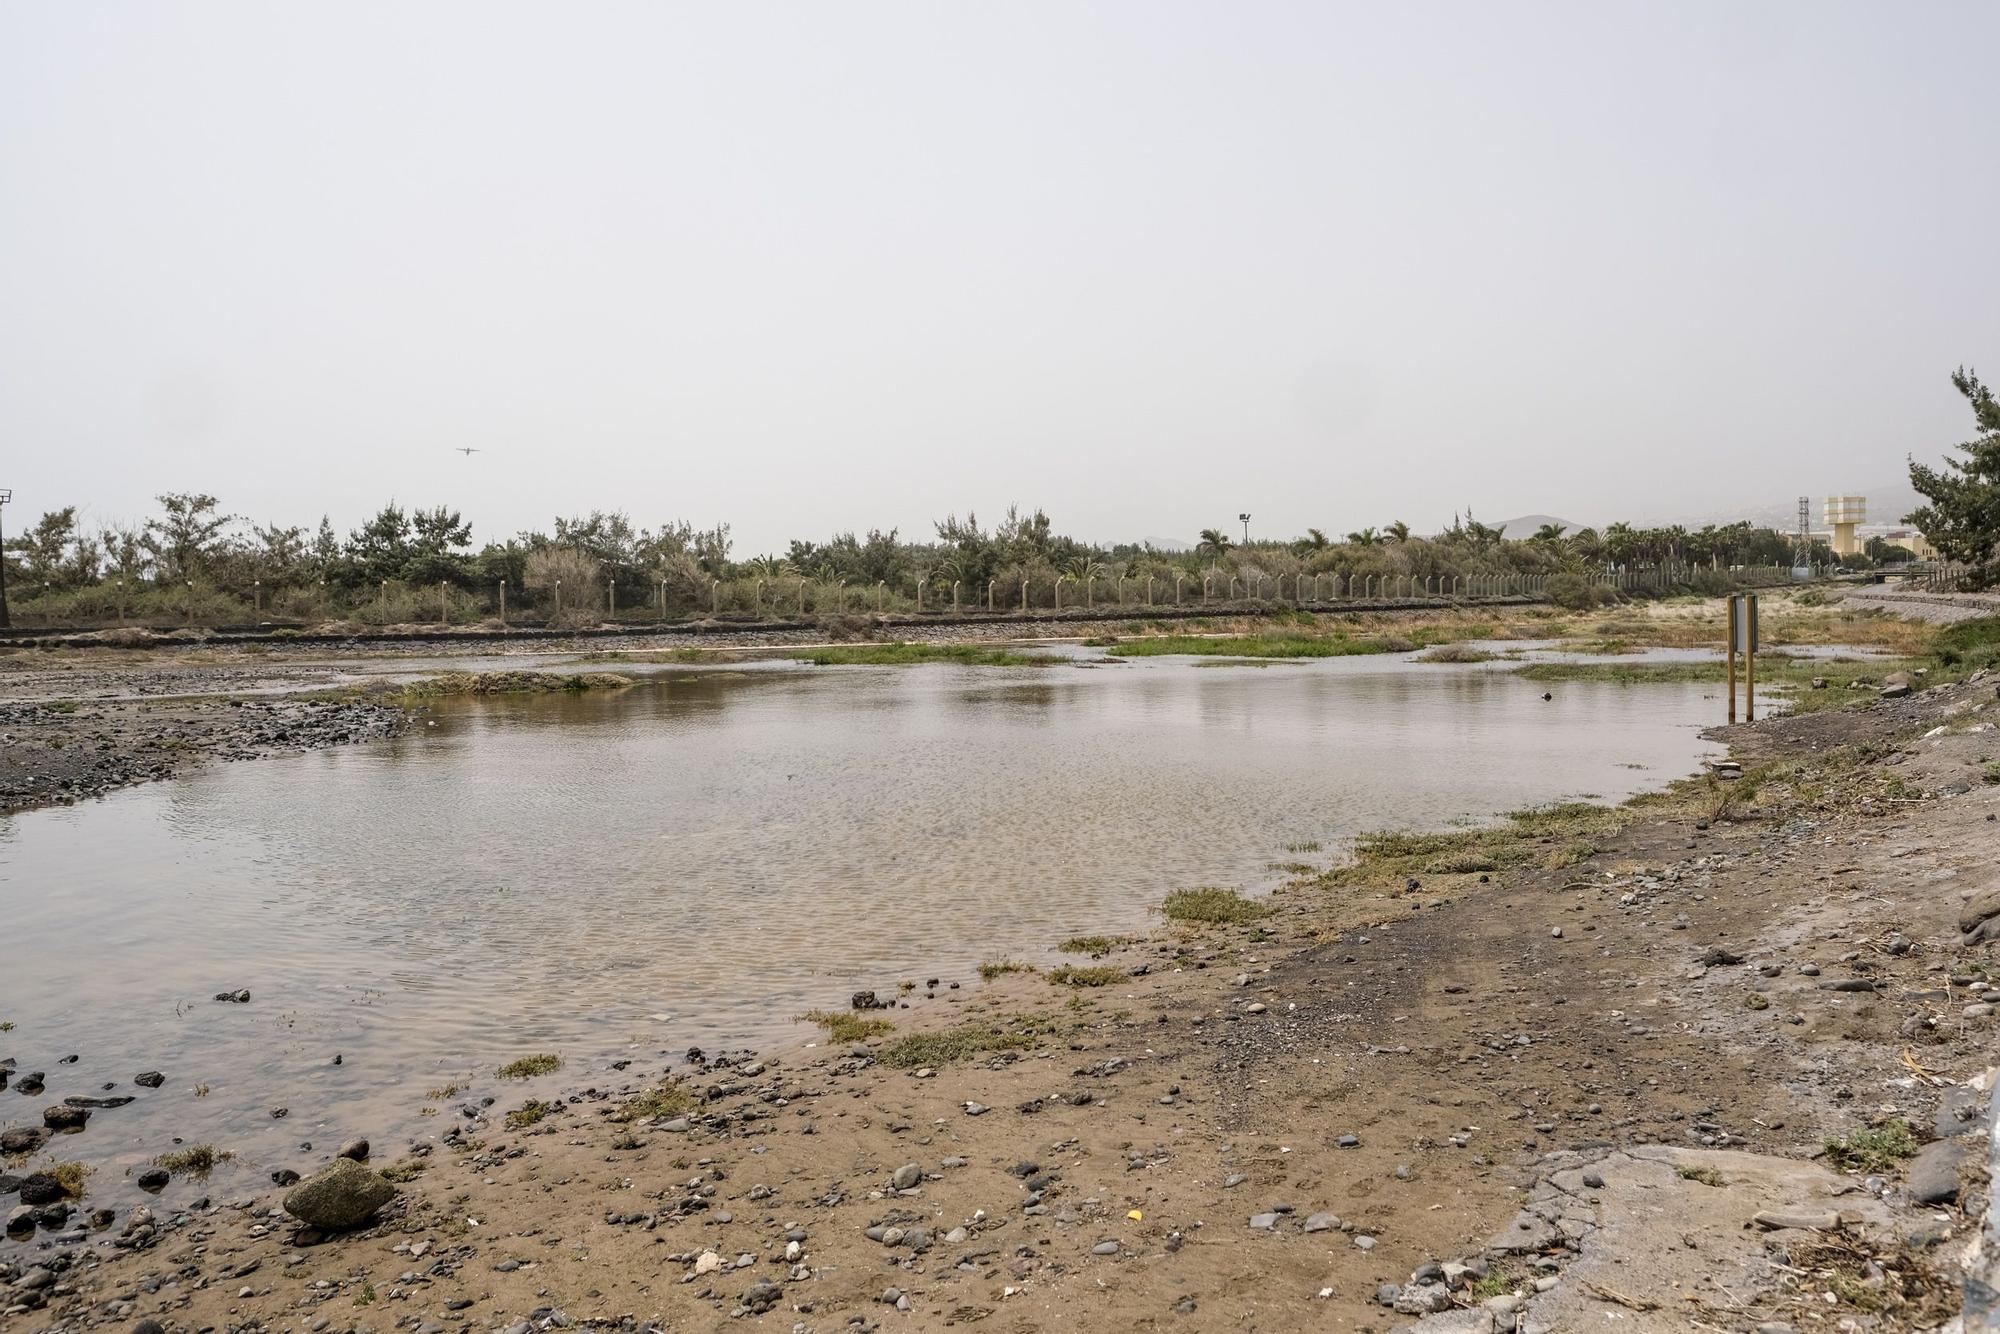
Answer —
(697, 860)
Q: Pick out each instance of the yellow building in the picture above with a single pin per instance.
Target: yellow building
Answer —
(1843, 514)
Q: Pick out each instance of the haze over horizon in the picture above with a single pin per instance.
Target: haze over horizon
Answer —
(811, 268)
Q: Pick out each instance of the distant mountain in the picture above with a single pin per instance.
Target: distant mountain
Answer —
(1888, 502)
(1527, 525)
(1166, 544)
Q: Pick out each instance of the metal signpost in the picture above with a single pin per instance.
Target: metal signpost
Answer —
(1743, 639)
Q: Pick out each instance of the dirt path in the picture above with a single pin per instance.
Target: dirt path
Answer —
(1550, 1095)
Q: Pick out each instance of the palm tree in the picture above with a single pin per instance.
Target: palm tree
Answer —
(1314, 540)
(1367, 537)
(1214, 544)
(1548, 533)
(1397, 531)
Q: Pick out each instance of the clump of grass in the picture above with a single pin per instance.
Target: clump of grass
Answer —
(527, 1067)
(196, 1160)
(1310, 845)
(842, 1026)
(668, 1100)
(1002, 967)
(1211, 904)
(967, 1041)
(1069, 975)
(1092, 945)
(1462, 863)
(1707, 1176)
(404, 1169)
(1493, 1285)
(1875, 1149)
(446, 1090)
(903, 654)
(1990, 774)
(1457, 653)
(1261, 646)
(70, 1176)
(532, 1112)
(6, 1025)
(512, 683)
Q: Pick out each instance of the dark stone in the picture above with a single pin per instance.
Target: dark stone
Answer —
(153, 1179)
(21, 1139)
(1933, 1174)
(1715, 956)
(41, 1188)
(65, 1117)
(83, 1100)
(152, 1079)
(237, 997)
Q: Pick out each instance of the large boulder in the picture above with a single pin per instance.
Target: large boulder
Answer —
(345, 1195)
(1984, 904)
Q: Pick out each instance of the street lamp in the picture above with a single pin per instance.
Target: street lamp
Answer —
(1245, 517)
(6, 495)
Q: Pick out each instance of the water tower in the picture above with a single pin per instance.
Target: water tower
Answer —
(1842, 514)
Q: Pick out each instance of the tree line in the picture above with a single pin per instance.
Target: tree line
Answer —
(193, 557)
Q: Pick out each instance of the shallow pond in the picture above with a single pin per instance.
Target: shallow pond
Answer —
(698, 859)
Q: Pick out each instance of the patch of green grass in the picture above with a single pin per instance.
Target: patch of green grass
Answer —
(1991, 773)
(532, 1112)
(1261, 646)
(1707, 1176)
(367, 1295)
(1092, 945)
(1002, 967)
(967, 1041)
(846, 1026)
(1211, 904)
(1875, 1149)
(668, 1100)
(527, 1067)
(1969, 645)
(1493, 1285)
(1069, 975)
(903, 654)
(196, 1160)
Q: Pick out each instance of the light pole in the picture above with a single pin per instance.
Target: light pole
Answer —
(1245, 516)
(6, 494)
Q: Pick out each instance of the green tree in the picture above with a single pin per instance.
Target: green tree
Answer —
(380, 548)
(188, 537)
(1214, 544)
(42, 554)
(439, 540)
(1962, 519)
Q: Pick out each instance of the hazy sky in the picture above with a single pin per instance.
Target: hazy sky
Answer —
(829, 265)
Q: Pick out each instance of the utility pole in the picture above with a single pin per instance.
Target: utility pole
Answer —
(1246, 528)
(6, 494)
